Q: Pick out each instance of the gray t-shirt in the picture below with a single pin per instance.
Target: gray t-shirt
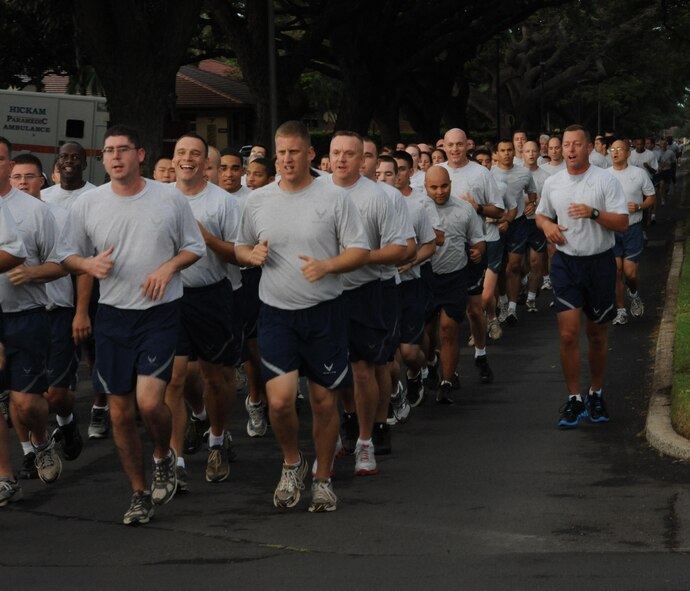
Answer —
(476, 180)
(56, 195)
(241, 196)
(462, 225)
(61, 291)
(636, 184)
(539, 176)
(519, 182)
(318, 221)
(423, 230)
(594, 187)
(597, 159)
(380, 224)
(219, 213)
(145, 231)
(552, 169)
(403, 217)
(640, 159)
(38, 231)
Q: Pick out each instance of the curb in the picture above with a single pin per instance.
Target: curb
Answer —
(659, 431)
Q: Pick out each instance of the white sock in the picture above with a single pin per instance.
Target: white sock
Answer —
(96, 407)
(215, 440)
(365, 442)
(479, 352)
(503, 300)
(532, 295)
(622, 310)
(425, 373)
(633, 294)
(202, 416)
(62, 421)
(27, 447)
(180, 462)
(576, 397)
(597, 392)
(161, 460)
(546, 277)
(512, 306)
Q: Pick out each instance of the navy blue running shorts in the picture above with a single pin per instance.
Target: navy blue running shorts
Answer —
(366, 331)
(312, 341)
(516, 236)
(587, 282)
(26, 336)
(449, 293)
(630, 244)
(64, 355)
(391, 316)
(411, 311)
(131, 343)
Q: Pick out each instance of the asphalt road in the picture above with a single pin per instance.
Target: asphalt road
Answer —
(487, 494)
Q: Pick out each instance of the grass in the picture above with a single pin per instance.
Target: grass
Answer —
(680, 394)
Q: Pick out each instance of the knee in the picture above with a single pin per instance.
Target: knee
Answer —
(324, 406)
(569, 338)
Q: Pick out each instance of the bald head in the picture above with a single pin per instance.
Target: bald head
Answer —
(455, 145)
(437, 184)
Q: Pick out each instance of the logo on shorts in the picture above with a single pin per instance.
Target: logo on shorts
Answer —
(596, 311)
(28, 370)
(372, 346)
(50, 372)
(152, 358)
(329, 368)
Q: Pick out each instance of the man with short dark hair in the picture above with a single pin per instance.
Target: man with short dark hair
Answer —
(144, 234)
(579, 211)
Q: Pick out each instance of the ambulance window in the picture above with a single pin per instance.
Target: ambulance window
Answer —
(74, 128)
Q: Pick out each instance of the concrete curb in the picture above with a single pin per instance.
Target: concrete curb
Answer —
(659, 432)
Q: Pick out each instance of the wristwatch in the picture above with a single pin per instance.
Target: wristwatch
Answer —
(480, 209)
(595, 213)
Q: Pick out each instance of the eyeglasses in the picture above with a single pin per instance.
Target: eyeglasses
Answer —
(618, 149)
(26, 177)
(118, 149)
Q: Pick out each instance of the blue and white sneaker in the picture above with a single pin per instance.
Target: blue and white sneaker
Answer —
(571, 412)
(596, 409)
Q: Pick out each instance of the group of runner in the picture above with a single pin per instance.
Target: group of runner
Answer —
(348, 276)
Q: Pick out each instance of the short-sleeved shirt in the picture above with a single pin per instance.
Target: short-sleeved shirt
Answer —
(219, 213)
(402, 214)
(423, 230)
(552, 169)
(462, 225)
(10, 238)
(636, 184)
(667, 158)
(61, 291)
(594, 187)
(640, 159)
(596, 159)
(380, 224)
(144, 230)
(476, 180)
(60, 197)
(38, 232)
(318, 221)
(519, 182)
(539, 176)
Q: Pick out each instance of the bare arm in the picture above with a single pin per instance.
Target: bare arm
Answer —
(8, 261)
(155, 284)
(348, 260)
(224, 250)
(43, 273)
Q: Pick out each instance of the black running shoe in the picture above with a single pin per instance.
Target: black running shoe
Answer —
(194, 435)
(455, 382)
(28, 471)
(596, 409)
(415, 390)
(71, 440)
(349, 432)
(433, 380)
(571, 412)
(444, 394)
(381, 438)
(486, 376)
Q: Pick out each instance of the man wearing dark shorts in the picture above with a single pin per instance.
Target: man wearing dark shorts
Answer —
(579, 211)
(144, 234)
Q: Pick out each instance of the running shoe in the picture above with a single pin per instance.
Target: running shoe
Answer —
(164, 483)
(381, 438)
(365, 460)
(596, 409)
(511, 317)
(415, 390)
(470, 341)
(256, 425)
(218, 463)
(48, 462)
(194, 435)
(400, 405)
(182, 486)
(636, 305)
(546, 283)
(433, 379)
(241, 383)
(323, 498)
(444, 395)
(99, 426)
(621, 317)
(5, 408)
(503, 312)
(28, 470)
(10, 491)
(571, 412)
(70, 439)
(140, 508)
(531, 306)
(494, 329)
(349, 431)
(486, 376)
(291, 484)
